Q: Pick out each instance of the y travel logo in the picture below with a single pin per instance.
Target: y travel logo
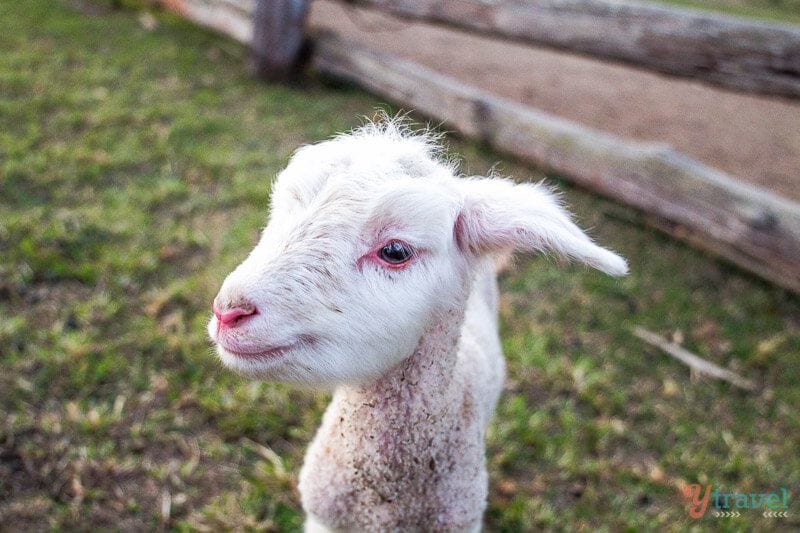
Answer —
(769, 504)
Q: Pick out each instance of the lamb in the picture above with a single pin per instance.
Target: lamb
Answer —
(375, 278)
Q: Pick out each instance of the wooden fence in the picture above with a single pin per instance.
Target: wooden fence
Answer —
(749, 226)
(728, 51)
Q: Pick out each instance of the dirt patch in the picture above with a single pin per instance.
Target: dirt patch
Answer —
(754, 138)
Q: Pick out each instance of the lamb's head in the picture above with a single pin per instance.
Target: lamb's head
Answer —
(371, 237)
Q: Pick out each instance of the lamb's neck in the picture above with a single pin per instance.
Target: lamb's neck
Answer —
(418, 387)
(403, 453)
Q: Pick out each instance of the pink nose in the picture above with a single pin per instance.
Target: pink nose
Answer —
(231, 318)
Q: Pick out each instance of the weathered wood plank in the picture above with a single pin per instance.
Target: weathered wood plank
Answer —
(231, 17)
(747, 225)
(728, 51)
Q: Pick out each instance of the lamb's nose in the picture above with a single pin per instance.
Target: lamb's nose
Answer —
(232, 317)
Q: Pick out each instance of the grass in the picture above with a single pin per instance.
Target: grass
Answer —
(134, 175)
(777, 10)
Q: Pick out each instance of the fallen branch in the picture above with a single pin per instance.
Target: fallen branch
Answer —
(694, 362)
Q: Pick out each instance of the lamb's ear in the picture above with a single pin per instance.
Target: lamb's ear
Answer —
(498, 215)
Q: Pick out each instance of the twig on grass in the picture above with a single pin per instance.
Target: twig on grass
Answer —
(694, 362)
(166, 506)
(268, 454)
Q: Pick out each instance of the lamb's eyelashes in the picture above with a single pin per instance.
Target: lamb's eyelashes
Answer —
(393, 255)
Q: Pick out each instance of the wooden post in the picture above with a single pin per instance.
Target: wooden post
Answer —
(277, 38)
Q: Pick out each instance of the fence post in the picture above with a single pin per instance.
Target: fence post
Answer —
(277, 38)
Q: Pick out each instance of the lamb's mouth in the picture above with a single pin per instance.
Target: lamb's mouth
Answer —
(269, 353)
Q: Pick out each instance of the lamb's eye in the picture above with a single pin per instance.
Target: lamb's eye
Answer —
(395, 253)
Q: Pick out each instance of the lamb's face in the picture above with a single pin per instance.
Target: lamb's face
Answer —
(369, 239)
(359, 256)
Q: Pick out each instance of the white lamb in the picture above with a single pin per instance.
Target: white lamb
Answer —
(375, 278)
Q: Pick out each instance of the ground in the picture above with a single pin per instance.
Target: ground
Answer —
(135, 167)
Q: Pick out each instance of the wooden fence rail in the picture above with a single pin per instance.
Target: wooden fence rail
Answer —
(747, 225)
(231, 17)
(728, 51)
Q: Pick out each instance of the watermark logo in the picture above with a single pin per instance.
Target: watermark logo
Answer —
(722, 504)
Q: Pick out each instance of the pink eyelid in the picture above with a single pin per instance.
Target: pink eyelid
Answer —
(373, 257)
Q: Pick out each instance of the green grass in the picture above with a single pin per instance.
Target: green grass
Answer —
(134, 172)
(777, 10)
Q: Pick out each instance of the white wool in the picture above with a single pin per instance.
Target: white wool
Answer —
(412, 354)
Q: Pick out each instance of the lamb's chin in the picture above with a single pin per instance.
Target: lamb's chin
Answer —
(258, 365)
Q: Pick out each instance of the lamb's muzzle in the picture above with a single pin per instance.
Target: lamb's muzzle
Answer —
(377, 271)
